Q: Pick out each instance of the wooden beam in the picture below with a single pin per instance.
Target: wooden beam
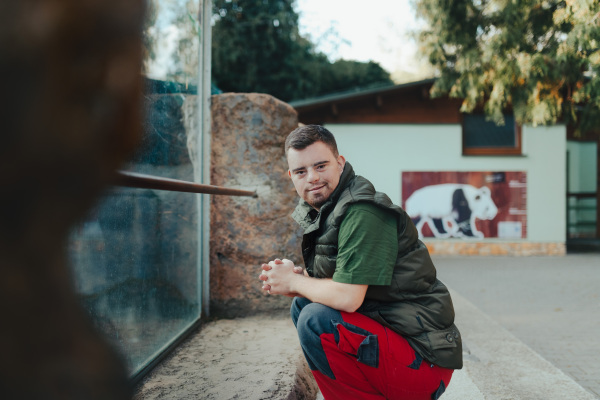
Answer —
(141, 181)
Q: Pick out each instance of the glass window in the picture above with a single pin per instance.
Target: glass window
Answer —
(481, 137)
(136, 257)
(582, 178)
(135, 269)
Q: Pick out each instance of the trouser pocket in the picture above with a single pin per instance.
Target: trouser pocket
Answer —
(358, 342)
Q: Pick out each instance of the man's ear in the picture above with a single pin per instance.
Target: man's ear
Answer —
(341, 162)
(290, 174)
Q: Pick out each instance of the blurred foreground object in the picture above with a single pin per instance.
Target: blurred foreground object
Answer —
(70, 109)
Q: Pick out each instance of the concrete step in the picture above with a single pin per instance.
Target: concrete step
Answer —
(499, 366)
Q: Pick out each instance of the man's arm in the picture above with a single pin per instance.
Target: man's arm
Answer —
(279, 277)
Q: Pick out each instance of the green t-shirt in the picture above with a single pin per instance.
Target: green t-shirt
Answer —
(367, 246)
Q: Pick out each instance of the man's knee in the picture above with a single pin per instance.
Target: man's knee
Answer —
(314, 320)
(296, 308)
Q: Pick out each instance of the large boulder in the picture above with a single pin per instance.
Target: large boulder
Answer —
(247, 152)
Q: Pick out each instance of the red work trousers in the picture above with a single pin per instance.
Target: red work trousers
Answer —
(353, 357)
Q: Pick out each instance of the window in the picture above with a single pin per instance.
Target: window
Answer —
(482, 137)
(137, 258)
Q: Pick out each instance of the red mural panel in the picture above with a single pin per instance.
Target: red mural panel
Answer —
(467, 204)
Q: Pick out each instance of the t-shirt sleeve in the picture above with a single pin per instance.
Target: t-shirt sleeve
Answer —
(367, 246)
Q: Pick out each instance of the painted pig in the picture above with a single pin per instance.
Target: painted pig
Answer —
(451, 209)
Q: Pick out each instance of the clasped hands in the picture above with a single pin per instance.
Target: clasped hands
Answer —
(278, 277)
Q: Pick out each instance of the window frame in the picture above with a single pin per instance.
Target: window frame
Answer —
(515, 150)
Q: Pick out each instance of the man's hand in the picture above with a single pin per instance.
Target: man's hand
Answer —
(264, 276)
(283, 277)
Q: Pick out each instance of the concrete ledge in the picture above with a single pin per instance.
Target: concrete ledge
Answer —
(499, 366)
(461, 247)
(249, 358)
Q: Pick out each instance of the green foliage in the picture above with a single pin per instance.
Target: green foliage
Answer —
(540, 57)
(171, 39)
(149, 52)
(185, 62)
(256, 47)
(344, 75)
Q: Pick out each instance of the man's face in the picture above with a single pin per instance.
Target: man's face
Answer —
(315, 172)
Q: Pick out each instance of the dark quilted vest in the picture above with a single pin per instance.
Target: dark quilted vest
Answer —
(416, 304)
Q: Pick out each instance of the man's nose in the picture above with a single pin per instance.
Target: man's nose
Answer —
(313, 175)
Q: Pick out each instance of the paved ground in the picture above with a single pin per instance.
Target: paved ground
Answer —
(530, 328)
(552, 304)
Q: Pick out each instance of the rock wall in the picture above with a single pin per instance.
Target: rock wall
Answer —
(247, 152)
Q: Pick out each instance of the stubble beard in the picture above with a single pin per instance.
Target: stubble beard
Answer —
(317, 204)
(317, 201)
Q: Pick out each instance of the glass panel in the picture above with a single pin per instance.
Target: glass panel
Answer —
(581, 217)
(135, 269)
(582, 204)
(172, 42)
(135, 258)
(171, 76)
(481, 133)
(582, 162)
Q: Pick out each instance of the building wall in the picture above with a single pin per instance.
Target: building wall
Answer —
(382, 152)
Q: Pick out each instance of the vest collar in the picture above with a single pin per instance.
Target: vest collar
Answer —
(309, 218)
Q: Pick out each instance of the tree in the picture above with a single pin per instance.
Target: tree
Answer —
(185, 63)
(540, 57)
(257, 48)
(171, 39)
(347, 74)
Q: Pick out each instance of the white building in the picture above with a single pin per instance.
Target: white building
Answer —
(401, 139)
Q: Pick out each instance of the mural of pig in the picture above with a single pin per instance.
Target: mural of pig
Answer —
(450, 209)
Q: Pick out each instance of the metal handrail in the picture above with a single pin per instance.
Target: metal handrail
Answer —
(141, 181)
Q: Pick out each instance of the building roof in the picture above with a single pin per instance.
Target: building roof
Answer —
(404, 103)
(357, 93)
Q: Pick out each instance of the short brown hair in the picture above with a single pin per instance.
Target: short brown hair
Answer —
(303, 136)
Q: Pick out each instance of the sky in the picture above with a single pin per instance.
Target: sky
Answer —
(364, 30)
(361, 30)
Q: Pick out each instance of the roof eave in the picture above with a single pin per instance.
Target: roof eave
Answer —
(336, 97)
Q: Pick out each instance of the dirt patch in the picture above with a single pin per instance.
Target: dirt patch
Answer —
(250, 358)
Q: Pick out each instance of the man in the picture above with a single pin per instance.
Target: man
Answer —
(372, 319)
